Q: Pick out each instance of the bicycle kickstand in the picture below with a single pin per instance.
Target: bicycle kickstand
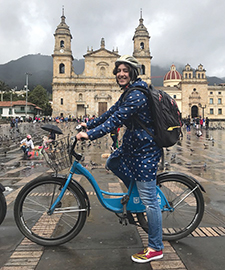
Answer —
(123, 218)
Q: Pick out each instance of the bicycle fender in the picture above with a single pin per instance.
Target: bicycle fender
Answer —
(84, 193)
(2, 189)
(182, 175)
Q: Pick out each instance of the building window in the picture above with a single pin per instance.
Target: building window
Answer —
(211, 111)
(174, 96)
(61, 68)
(62, 44)
(194, 89)
(219, 93)
(211, 101)
(142, 69)
(22, 109)
(185, 75)
(211, 93)
(142, 45)
(189, 75)
(219, 111)
(80, 97)
(202, 76)
(61, 101)
(10, 111)
(198, 75)
(219, 100)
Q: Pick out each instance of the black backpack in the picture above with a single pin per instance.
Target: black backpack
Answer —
(165, 114)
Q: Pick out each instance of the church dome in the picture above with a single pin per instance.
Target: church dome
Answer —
(172, 77)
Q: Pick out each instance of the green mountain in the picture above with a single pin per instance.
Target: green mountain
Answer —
(41, 66)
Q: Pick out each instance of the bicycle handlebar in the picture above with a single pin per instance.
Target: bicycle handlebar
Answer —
(72, 151)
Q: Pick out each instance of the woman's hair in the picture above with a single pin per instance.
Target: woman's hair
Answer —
(133, 72)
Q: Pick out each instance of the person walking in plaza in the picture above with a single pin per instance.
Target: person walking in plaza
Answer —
(138, 156)
(27, 144)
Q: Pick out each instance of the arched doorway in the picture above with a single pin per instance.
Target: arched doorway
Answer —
(194, 111)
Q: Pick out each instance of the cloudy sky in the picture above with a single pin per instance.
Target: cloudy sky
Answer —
(182, 31)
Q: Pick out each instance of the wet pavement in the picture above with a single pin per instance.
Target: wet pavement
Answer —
(103, 243)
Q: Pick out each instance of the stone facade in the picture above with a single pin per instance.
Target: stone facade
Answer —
(95, 90)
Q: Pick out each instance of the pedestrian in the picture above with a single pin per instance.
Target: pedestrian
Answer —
(138, 156)
(207, 122)
(201, 122)
(27, 144)
(188, 123)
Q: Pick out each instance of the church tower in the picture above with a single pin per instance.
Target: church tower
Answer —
(141, 50)
(62, 57)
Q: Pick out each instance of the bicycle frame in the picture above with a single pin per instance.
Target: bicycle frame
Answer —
(134, 204)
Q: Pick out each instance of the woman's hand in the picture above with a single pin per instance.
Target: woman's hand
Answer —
(83, 124)
(82, 135)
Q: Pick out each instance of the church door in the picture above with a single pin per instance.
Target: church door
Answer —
(102, 107)
(194, 111)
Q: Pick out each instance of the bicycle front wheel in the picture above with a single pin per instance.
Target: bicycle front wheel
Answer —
(3, 207)
(33, 203)
(187, 201)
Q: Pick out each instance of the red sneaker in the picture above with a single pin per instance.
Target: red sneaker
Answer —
(147, 256)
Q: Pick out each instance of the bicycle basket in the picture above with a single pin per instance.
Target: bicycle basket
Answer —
(56, 154)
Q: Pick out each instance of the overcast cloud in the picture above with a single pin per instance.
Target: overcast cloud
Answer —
(182, 32)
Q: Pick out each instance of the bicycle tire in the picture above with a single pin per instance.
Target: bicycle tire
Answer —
(186, 216)
(32, 204)
(3, 207)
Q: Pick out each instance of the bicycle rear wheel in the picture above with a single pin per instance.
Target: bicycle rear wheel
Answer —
(3, 207)
(186, 197)
(33, 202)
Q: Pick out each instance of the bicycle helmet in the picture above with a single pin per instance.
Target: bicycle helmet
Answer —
(28, 136)
(129, 60)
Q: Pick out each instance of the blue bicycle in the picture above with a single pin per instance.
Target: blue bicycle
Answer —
(52, 210)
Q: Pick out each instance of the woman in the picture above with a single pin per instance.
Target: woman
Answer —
(138, 156)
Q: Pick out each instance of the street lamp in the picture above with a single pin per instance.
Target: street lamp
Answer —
(26, 88)
(85, 109)
(203, 108)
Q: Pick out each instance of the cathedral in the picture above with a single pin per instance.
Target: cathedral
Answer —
(95, 90)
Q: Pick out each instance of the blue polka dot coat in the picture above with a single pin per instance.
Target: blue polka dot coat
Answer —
(139, 153)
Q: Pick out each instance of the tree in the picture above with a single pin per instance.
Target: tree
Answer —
(39, 97)
(3, 88)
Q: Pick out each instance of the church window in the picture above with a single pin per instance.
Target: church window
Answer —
(62, 44)
(80, 97)
(142, 45)
(61, 101)
(211, 101)
(61, 68)
(142, 70)
(102, 72)
(220, 111)
(211, 111)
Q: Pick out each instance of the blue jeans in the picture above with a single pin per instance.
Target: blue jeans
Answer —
(147, 193)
